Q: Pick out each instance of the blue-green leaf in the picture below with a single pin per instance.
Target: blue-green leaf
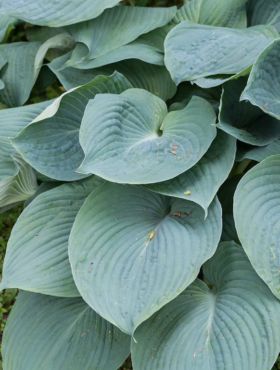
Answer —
(260, 153)
(19, 75)
(55, 13)
(131, 22)
(264, 12)
(193, 51)
(51, 333)
(244, 121)
(51, 143)
(230, 323)
(155, 79)
(37, 253)
(256, 215)
(132, 250)
(201, 183)
(224, 13)
(263, 88)
(131, 137)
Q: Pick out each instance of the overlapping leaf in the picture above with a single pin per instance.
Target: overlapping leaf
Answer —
(256, 215)
(244, 121)
(132, 251)
(201, 183)
(51, 143)
(55, 13)
(19, 75)
(263, 85)
(147, 48)
(264, 12)
(108, 46)
(194, 52)
(5, 23)
(224, 13)
(60, 334)
(131, 137)
(155, 79)
(17, 179)
(13, 120)
(260, 153)
(231, 323)
(225, 196)
(37, 254)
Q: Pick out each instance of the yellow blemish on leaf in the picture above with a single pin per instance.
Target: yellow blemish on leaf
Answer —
(151, 235)
(188, 192)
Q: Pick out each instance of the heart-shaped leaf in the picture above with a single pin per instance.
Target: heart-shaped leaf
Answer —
(256, 215)
(132, 250)
(233, 323)
(146, 144)
(37, 257)
(195, 51)
(51, 143)
(46, 333)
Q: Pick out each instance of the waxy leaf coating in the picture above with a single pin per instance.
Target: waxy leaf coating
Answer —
(244, 121)
(131, 137)
(132, 250)
(194, 52)
(37, 253)
(201, 183)
(55, 13)
(224, 13)
(46, 333)
(51, 143)
(256, 215)
(263, 85)
(232, 322)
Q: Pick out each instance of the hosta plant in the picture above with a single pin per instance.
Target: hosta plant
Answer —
(143, 139)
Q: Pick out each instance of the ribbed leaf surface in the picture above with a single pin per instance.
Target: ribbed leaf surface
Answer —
(263, 88)
(37, 255)
(131, 137)
(224, 13)
(244, 121)
(232, 324)
(195, 51)
(256, 215)
(60, 334)
(51, 143)
(201, 183)
(132, 251)
(55, 13)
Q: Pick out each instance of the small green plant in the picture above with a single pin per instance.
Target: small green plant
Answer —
(143, 139)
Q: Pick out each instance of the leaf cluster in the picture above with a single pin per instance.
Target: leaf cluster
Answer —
(143, 139)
